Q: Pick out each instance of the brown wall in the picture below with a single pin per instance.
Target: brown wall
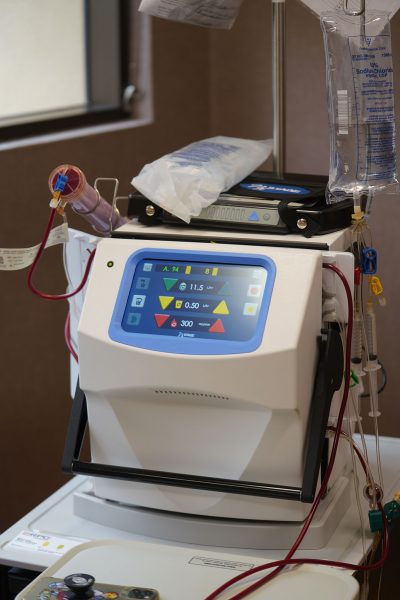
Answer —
(240, 66)
(34, 385)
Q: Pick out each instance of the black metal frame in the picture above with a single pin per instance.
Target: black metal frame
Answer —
(318, 216)
(328, 379)
(178, 233)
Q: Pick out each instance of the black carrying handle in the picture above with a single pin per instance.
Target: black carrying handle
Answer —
(328, 379)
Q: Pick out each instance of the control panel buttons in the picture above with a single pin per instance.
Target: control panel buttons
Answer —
(221, 308)
(75, 587)
(254, 290)
(143, 283)
(80, 585)
(134, 319)
(142, 594)
(169, 283)
(161, 319)
(138, 301)
(217, 327)
(165, 301)
(253, 217)
(250, 308)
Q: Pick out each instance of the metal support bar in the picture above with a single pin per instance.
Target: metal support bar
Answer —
(183, 480)
(278, 86)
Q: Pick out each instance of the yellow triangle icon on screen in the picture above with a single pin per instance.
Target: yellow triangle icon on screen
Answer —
(165, 301)
(221, 309)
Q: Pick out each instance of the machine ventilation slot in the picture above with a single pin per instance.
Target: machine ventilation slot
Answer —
(198, 394)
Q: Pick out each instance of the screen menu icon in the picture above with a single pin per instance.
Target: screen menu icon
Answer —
(143, 283)
(138, 301)
(134, 319)
(250, 308)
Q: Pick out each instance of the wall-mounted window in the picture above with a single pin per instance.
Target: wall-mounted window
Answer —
(63, 64)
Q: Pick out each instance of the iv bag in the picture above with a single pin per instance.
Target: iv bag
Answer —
(190, 179)
(322, 6)
(361, 104)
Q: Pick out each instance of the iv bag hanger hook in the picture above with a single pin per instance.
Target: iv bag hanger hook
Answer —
(354, 13)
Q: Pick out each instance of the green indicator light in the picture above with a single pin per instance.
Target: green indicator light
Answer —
(170, 269)
(110, 264)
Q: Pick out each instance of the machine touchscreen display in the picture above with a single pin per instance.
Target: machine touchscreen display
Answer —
(195, 299)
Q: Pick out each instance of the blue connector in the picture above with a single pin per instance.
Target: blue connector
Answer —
(369, 261)
(61, 182)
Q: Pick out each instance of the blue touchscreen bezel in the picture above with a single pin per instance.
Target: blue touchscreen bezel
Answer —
(186, 345)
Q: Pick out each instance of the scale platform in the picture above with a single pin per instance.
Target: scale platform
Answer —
(338, 241)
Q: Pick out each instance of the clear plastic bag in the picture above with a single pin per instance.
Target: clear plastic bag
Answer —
(361, 104)
(322, 6)
(186, 181)
(220, 14)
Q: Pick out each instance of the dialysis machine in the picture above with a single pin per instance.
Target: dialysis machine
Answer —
(207, 375)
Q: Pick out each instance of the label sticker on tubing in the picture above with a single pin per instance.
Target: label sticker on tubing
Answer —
(276, 188)
(12, 259)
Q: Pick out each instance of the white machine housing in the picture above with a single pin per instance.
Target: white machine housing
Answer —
(237, 416)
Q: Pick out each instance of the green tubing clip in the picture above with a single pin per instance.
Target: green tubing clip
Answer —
(353, 379)
(392, 512)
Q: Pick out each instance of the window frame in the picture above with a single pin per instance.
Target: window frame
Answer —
(101, 60)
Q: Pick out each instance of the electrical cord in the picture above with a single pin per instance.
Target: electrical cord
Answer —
(288, 560)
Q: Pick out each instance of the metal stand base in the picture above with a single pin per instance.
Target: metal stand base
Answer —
(225, 533)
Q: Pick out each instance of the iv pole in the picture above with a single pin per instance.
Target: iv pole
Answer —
(278, 86)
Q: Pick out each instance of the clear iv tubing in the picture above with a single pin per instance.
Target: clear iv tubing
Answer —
(288, 560)
(356, 356)
(86, 201)
(372, 365)
(357, 340)
(278, 565)
(67, 337)
(371, 369)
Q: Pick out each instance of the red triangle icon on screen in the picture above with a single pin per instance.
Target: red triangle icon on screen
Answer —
(217, 327)
(160, 319)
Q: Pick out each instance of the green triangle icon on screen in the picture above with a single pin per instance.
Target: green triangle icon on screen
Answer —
(169, 283)
(226, 289)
